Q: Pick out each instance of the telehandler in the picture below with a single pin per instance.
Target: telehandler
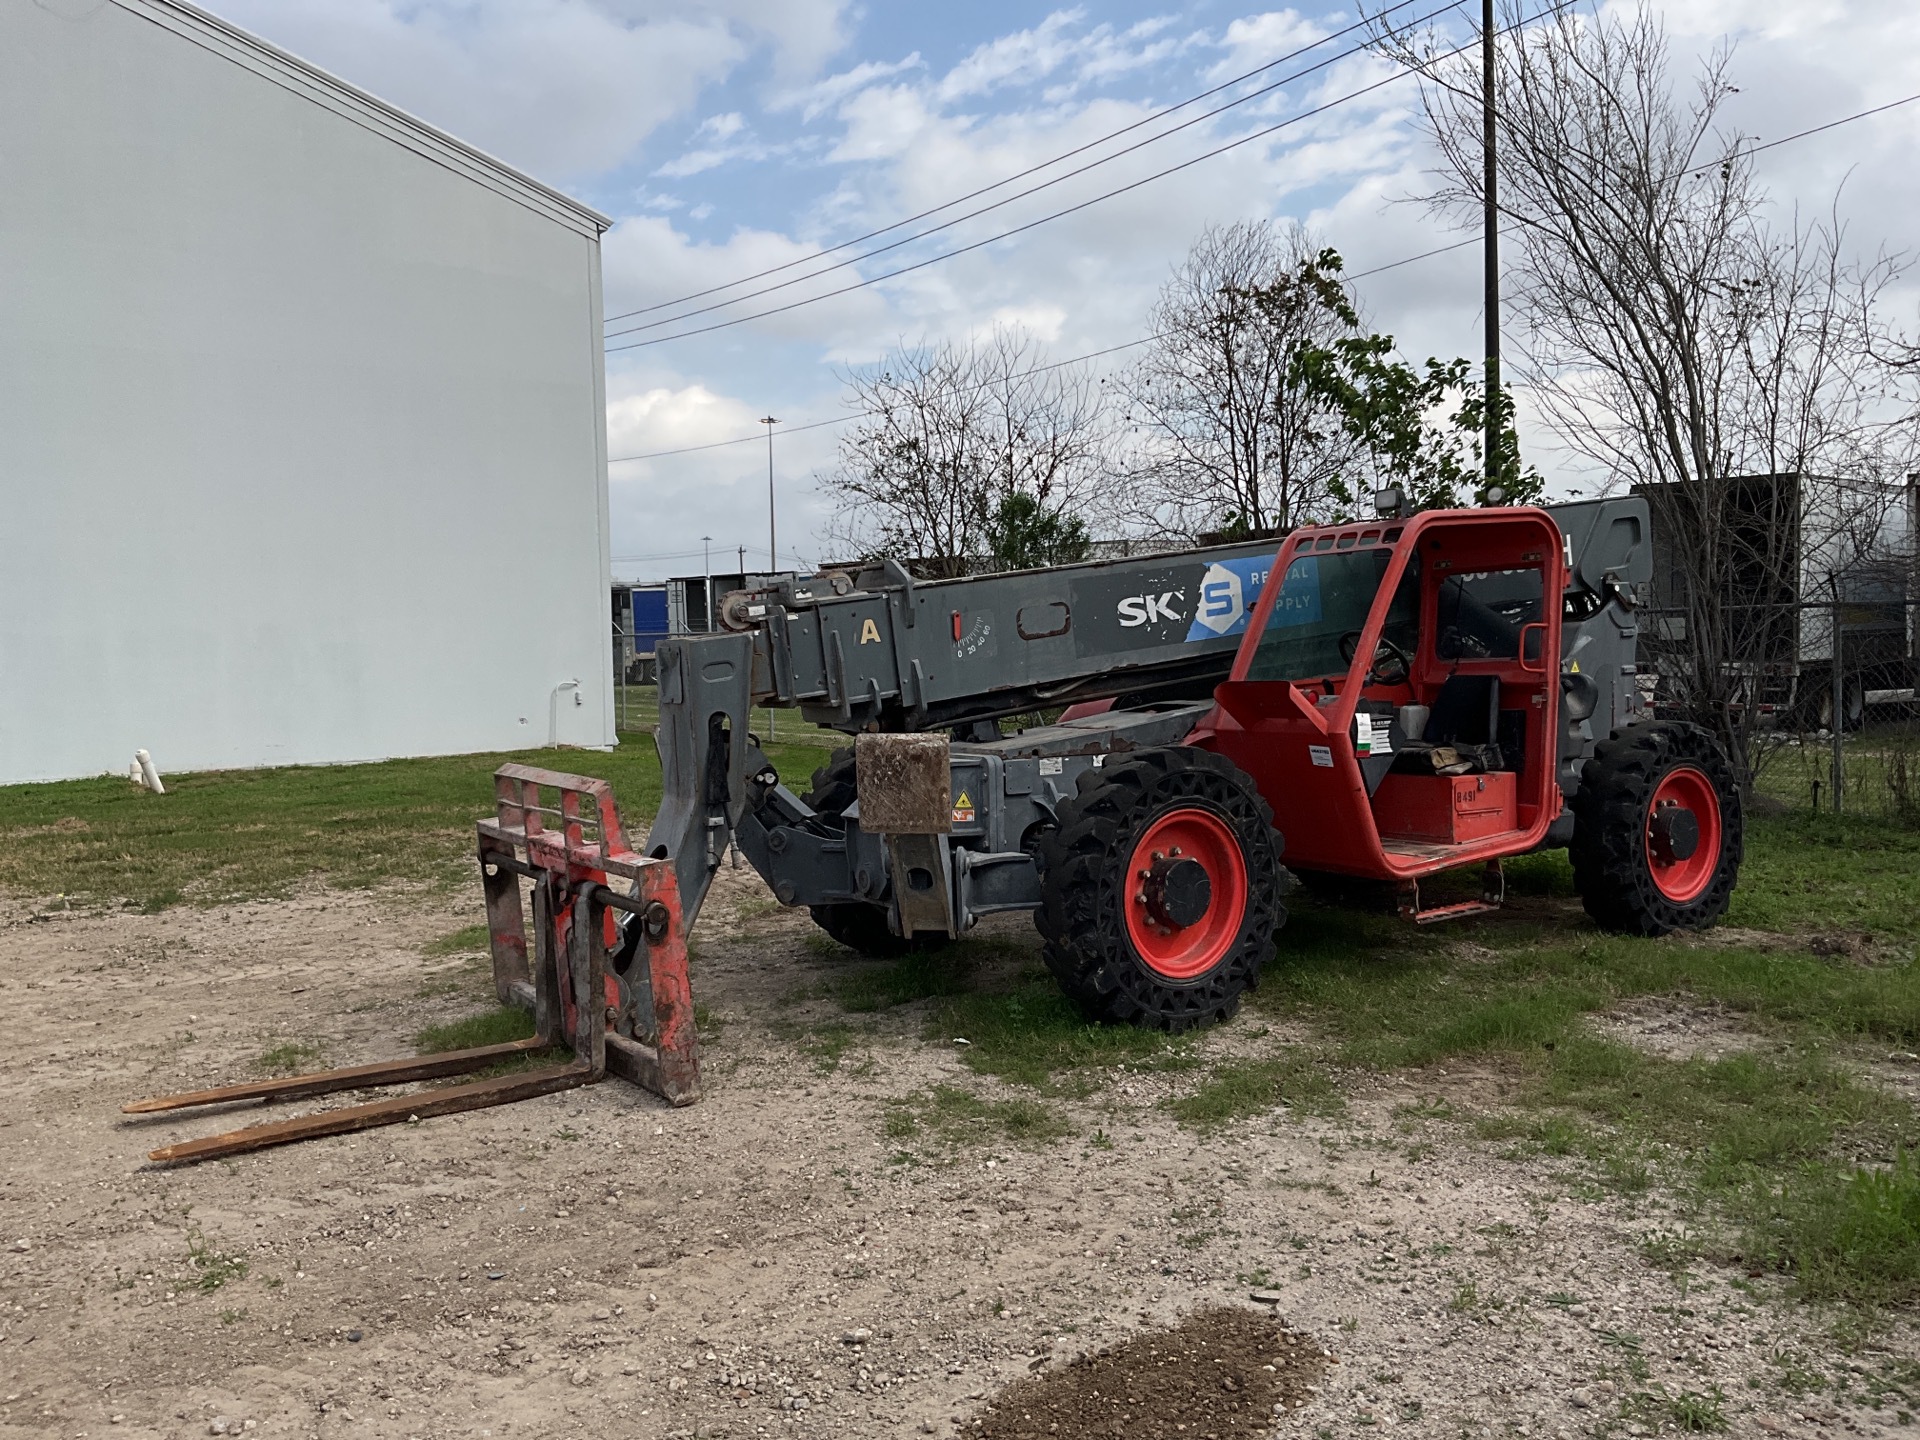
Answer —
(1373, 703)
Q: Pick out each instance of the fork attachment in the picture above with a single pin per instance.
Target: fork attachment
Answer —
(596, 953)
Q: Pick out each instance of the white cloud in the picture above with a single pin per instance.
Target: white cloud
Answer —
(560, 88)
(816, 99)
(1022, 57)
(1261, 39)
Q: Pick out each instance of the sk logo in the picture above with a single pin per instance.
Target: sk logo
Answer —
(1222, 601)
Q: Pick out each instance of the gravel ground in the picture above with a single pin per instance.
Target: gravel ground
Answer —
(768, 1262)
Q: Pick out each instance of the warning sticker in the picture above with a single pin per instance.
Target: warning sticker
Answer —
(1321, 755)
(963, 809)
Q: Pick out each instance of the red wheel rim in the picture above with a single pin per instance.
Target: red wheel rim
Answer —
(1684, 789)
(1177, 951)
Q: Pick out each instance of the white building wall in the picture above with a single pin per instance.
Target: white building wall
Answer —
(302, 440)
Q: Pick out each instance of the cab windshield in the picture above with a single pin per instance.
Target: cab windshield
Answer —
(1324, 598)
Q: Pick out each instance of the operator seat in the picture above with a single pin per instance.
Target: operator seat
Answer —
(1465, 712)
(1464, 719)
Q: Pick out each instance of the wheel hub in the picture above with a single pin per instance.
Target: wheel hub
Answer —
(1186, 892)
(1674, 834)
(1683, 834)
(1178, 891)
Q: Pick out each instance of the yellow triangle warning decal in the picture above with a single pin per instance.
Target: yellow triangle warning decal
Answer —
(963, 809)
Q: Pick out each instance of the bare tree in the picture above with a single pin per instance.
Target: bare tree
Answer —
(1676, 334)
(1227, 436)
(971, 455)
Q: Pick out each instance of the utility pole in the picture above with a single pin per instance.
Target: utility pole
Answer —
(707, 541)
(773, 548)
(1837, 698)
(1490, 228)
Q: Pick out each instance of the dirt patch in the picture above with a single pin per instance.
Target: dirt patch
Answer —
(1673, 1031)
(774, 1262)
(1217, 1373)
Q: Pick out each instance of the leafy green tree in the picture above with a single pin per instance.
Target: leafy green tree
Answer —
(1418, 428)
(1023, 534)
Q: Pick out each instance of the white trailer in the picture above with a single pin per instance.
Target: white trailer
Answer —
(302, 440)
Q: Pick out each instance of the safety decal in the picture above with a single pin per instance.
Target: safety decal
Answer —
(963, 809)
(1321, 755)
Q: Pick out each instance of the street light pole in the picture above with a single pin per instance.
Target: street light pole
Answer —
(773, 548)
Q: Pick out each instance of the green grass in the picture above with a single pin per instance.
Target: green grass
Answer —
(1016, 1024)
(1297, 1079)
(1031, 1034)
(957, 1116)
(917, 975)
(489, 1027)
(212, 1268)
(231, 835)
(288, 1058)
(1832, 873)
(467, 940)
(1842, 1234)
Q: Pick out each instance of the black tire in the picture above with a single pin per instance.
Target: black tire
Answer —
(861, 928)
(1624, 881)
(1084, 915)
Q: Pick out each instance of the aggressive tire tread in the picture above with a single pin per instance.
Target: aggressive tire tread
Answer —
(1609, 849)
(1083, 864)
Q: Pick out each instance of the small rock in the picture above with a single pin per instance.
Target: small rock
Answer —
(117, 1419)
(496, 1274)
(856, 1337)
(356, 1336)
(1904, 1057)
(1772, 1424)
(1266, 1297)
(581, 1376)
(23, 1245)
(219, 1425)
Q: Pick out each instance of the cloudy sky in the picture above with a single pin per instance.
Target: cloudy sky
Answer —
(729, 137)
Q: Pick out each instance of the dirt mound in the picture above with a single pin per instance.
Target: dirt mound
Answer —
(1218, 1373)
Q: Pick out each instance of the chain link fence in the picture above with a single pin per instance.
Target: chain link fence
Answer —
(636, 701)
(1835, 722)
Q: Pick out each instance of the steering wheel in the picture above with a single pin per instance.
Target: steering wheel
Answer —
(1391, 665)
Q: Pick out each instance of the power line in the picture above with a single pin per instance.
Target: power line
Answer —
(1356, 275)
(1218, 150)
(1022, 174)
(844, 419)
(1017, 195)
